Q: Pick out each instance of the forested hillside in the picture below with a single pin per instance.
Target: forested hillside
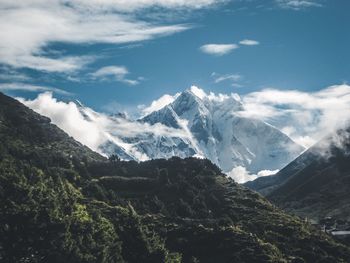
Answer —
(61, 202)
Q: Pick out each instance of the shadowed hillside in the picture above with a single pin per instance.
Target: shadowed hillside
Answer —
(317, 184)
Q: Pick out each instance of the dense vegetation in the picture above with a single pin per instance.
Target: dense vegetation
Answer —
(61, 202)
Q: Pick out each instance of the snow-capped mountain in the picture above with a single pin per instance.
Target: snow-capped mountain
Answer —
(221, 134)
(209, 126)
(192, 123)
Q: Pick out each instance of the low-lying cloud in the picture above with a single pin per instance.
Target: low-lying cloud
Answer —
(92, 128)
(241, 175)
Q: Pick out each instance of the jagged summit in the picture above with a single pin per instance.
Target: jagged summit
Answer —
(223, 135)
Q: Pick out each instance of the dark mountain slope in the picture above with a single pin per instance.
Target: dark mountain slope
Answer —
(267, 184)
(61, 202)
(317, 184)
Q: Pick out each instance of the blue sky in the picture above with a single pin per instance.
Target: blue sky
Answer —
(115, 58)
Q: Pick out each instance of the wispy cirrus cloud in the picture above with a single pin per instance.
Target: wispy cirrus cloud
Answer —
(28, 28)
(225, 77)
(298, 4)
(31, 88)
(116, 73)
(8, 74)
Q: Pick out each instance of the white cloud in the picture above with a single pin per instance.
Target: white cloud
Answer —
(297, 4)
(218, 49)
(249, 42)
(241, 175)
(267, 172)
(159, 103)
(27, 28)
(305, 116)
(117, 73)
(223, 49)
(68, 117)
(33, 88)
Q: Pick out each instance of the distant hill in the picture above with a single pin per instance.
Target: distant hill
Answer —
(61, 202)
(316, 184)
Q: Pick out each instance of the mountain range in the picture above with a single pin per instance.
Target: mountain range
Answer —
(62, 202)
(196, 124)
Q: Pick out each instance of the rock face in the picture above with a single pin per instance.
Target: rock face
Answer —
(317, 183)
(62, 202)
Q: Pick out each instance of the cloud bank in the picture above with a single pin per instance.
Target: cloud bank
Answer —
(304, 116)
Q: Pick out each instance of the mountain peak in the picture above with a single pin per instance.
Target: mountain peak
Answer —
(198, 92)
